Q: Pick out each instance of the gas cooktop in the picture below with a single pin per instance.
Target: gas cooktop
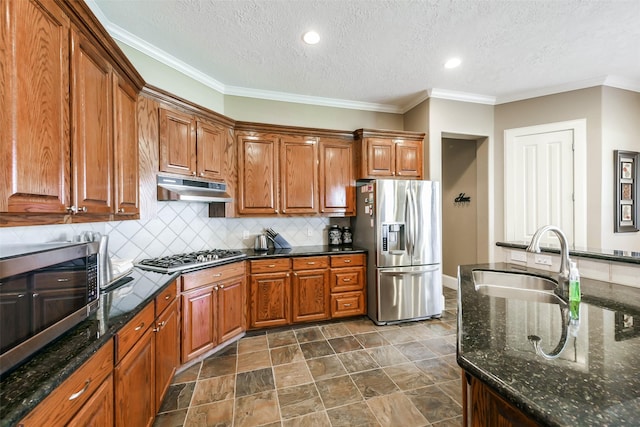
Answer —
(180, 262)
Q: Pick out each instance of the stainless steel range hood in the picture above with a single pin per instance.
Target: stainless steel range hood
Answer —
(191, 190)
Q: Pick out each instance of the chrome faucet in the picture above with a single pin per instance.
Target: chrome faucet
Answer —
(534, 246)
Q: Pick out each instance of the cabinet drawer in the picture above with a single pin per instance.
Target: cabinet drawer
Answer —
(134, 330)
(347, 304)
(66, 400)
(270, 265)
(347, 279)
(311, 262)
(351, 260)
(207, 276)
(166, 297)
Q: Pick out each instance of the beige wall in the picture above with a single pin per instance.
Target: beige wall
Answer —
(417, 120)
(579, 104)
(459, 220)
(160, 75)
(620, 131)
(293, 114)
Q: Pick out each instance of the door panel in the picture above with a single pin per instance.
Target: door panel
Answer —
(424, 225)
(540, 185)
(409, 293)
(391, 213)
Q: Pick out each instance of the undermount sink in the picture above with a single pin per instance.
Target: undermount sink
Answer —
(520, 286)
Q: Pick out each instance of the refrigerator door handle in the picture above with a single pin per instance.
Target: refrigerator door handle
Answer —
(409, 219)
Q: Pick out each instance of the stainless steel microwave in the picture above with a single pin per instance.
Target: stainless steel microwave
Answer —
(45, 290)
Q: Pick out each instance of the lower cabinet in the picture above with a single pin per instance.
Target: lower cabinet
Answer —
(78, 395)
(167, 349)
(483, 407)
(135, 384)
(98, 411)
(303, 289)
(213, 308)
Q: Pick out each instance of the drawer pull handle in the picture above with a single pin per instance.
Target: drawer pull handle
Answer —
(347, 305)
(310, 263)
(216, 275)
(347, 260)
(346, 280)
(79, 393)
(140, 326)
(271, 265)
(166, 298)
(63, 279)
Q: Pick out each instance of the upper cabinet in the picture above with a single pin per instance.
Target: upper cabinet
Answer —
(336, 177)
(298, 174)
(191, 146)
(66, 89)
(389, 154)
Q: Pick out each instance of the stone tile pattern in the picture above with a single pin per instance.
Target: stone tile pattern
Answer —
(344, 373)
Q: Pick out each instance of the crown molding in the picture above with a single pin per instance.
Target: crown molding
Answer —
(461, 96)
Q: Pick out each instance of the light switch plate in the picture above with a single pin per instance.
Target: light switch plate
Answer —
(245, 234)
(309, 231)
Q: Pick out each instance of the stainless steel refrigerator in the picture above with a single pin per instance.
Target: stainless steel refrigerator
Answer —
(398, 222)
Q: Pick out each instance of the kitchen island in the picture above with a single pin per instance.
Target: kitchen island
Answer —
(591, 372)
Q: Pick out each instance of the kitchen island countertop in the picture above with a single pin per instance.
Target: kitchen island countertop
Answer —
(596, 378)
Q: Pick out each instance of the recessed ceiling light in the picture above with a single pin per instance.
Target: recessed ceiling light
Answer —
(311, 37)
(452, 63)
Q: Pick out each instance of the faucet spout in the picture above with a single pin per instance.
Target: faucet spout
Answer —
(534, 246)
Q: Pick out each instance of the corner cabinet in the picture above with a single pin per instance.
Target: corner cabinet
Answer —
(61, 89)
(389, 154)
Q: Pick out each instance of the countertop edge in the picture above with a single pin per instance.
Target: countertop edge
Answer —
(631, 258)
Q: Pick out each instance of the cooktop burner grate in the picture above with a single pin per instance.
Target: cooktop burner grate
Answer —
(179, 262)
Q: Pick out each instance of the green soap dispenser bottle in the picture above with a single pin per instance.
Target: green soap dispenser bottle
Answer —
(574, 292)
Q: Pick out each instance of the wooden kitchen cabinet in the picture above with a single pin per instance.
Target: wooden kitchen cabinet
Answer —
(310, 289)
(98, 411)
(34, 118)
(190, 146)
(484, 407)
(135, 383)
(167, 349)
(270, 292)
(298, 174)
(348, 285)
(213, 308)
(83, 393)
(257, 173)
(336, 177)
(389, 154)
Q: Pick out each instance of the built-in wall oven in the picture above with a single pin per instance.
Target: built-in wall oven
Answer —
(45, 290)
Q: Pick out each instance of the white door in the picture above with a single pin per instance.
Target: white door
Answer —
(539, 184)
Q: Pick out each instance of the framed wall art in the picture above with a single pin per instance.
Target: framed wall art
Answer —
(627, 190)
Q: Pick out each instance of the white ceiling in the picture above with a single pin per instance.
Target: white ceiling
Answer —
(386, 55)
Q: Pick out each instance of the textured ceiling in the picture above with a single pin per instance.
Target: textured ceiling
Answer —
(389, 52)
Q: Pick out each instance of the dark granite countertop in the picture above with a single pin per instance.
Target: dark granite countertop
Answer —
(601, 254)
(303, 251)
(29, 384)
(596, 378)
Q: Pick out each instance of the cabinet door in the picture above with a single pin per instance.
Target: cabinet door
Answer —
(198, 328)
(210, 142)
(257, 174)
(231, 308)
(177, 142)
(98, 411)
(15, 301)
(310, 289)
(380, 157)
(125, 142)
(336, 176)
(408, 158)
(92, 128)
(298, 175)
(167, 350)
(270, 299)
(34, 117)
(135, 384)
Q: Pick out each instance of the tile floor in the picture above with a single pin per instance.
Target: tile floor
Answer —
(347, 373)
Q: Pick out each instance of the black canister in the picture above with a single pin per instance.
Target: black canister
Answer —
(335, 236)
(347, 236)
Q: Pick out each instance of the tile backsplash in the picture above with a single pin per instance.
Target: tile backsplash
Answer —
(179, 227)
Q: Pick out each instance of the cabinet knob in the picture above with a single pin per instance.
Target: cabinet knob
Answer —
(160, 326)
(72, 210)
(35, 295)
(215, 288)
(221, 286)
(121, 210)
(276, 210)
(201, 173)
(82, 209)
(193, 173)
